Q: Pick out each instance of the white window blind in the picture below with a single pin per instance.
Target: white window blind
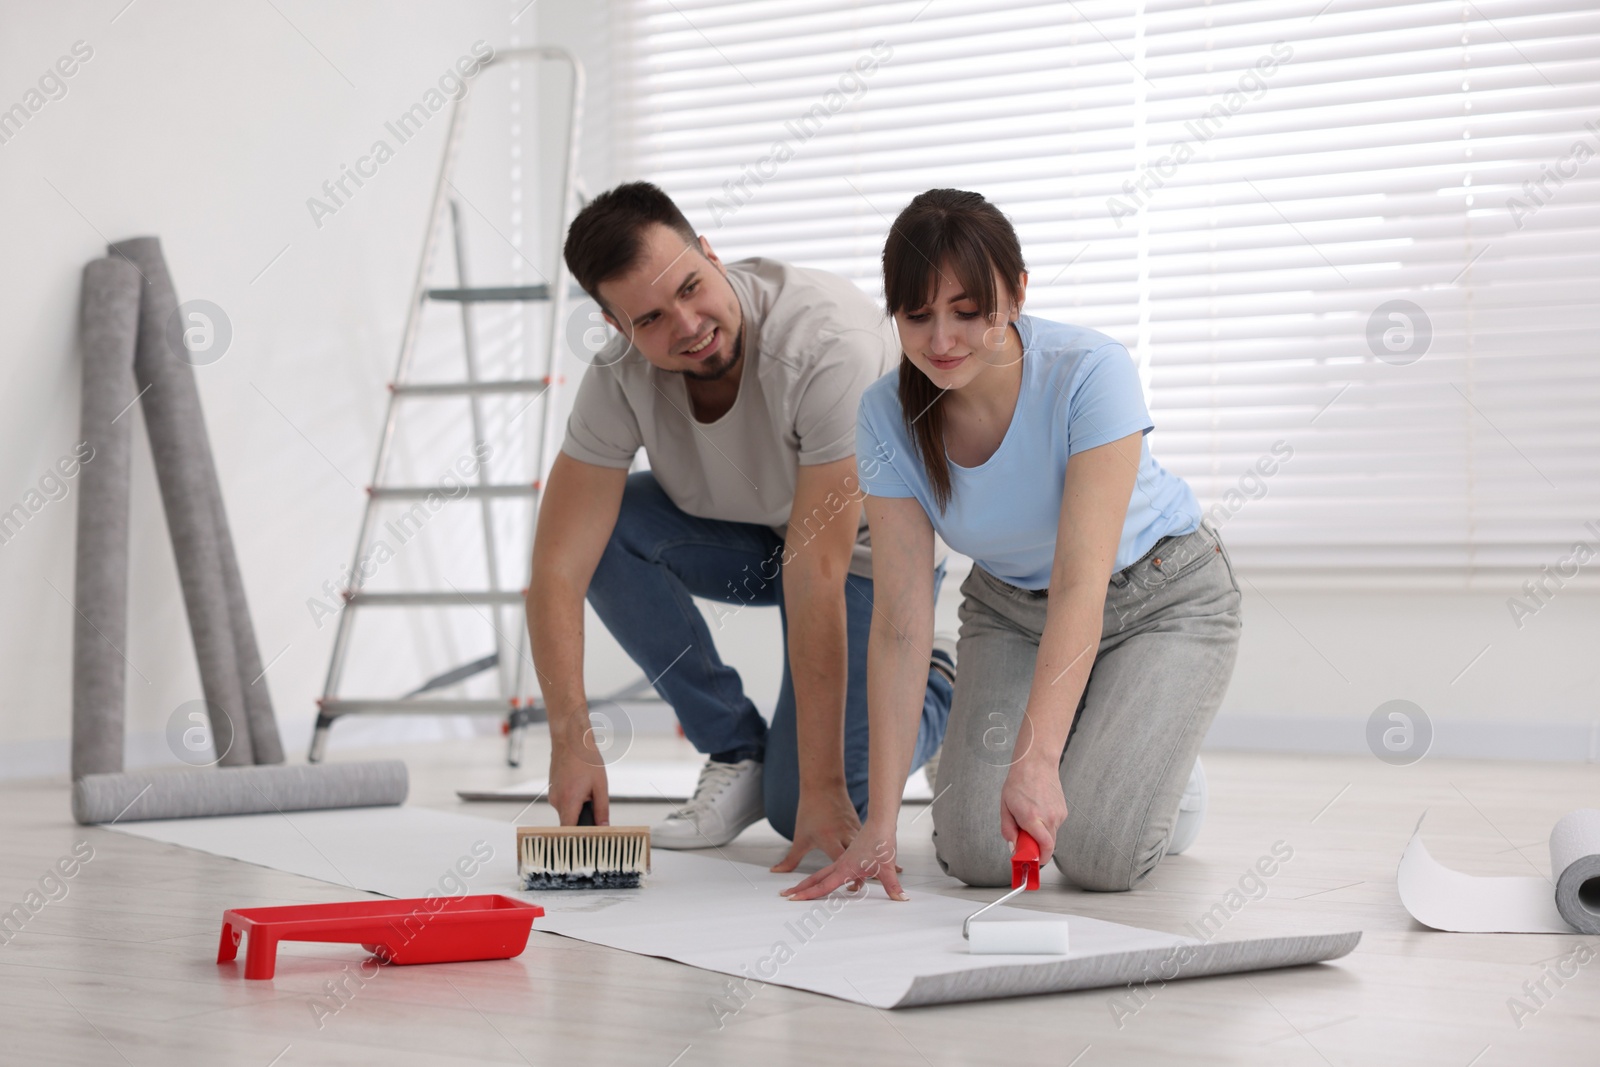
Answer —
(1356, 241)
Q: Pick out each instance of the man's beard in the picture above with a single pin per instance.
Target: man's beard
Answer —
(720, 370)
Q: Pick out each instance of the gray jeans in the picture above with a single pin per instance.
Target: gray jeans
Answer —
(1170, 636)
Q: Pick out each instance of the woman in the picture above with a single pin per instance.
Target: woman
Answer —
(1100, 622)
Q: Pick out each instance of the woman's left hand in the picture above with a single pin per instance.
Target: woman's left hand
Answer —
(1032, 800)
(870, 856)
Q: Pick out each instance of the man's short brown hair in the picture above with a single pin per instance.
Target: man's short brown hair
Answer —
(607, 237)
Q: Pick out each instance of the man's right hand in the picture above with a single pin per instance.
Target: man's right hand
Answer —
(577, 774)
(576, 519)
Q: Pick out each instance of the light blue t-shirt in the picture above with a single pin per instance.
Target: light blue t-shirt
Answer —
(1080, 390)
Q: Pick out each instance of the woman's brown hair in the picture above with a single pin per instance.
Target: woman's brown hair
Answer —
(944, 230)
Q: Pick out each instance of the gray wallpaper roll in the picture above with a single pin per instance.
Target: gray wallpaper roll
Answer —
(192, 501)
(265, 744)
(1575, 862)
(108, 326)
(182, 794)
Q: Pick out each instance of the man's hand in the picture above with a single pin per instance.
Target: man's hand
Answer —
(825, 820)
(578, 774)
(579, 511)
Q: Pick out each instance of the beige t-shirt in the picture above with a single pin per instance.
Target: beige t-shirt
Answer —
(812, 343)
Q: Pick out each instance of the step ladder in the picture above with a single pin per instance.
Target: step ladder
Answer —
(514, 704)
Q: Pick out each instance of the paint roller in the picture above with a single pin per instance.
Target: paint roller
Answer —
(181, 794)
(1017, 937)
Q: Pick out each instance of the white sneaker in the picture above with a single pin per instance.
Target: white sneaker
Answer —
(1191, 810)
(726, 800)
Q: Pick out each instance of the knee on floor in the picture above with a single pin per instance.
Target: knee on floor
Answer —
(976, 859)
(1092, 862)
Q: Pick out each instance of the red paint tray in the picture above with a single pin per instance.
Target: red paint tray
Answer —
(420, 930)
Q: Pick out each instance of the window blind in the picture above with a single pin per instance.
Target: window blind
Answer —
(1352, 246)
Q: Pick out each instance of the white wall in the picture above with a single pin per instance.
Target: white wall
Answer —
(1315, 664)
(210, 126)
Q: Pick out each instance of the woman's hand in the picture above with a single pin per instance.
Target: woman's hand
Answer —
(870, 856)
(825, 820)
(1032, 800)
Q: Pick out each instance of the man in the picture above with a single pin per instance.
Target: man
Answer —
(740, 381)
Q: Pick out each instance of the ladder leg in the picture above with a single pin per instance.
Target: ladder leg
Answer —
(469, 352)
(319, 738)
(515, 730)
(528, 713)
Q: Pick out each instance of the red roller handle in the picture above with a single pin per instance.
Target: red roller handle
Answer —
(1025, 862)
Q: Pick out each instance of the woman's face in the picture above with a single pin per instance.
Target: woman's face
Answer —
(951, 341)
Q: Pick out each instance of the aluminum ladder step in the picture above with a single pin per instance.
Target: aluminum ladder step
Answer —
(438, 389)
(498, 294)
(430, 598)
(332, 708)
(422, 492)
(495, 294)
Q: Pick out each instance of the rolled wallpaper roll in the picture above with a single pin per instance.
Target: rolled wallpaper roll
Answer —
(265, 744)
(108, 327)
(1569, 900)
(212, 592)
(1575, 854)
(180, 794)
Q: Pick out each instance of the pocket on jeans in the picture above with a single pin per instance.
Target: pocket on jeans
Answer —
(1176, 558)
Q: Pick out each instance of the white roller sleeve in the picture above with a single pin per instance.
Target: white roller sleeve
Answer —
(1018, 937)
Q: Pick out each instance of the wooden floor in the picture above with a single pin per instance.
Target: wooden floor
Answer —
(120, 969)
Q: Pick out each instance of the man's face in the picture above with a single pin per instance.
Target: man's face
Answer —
(677, 307)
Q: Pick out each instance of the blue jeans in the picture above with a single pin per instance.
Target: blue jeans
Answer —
(658, 558)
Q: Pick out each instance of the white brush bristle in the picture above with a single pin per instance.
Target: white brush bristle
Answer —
(582, 854)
